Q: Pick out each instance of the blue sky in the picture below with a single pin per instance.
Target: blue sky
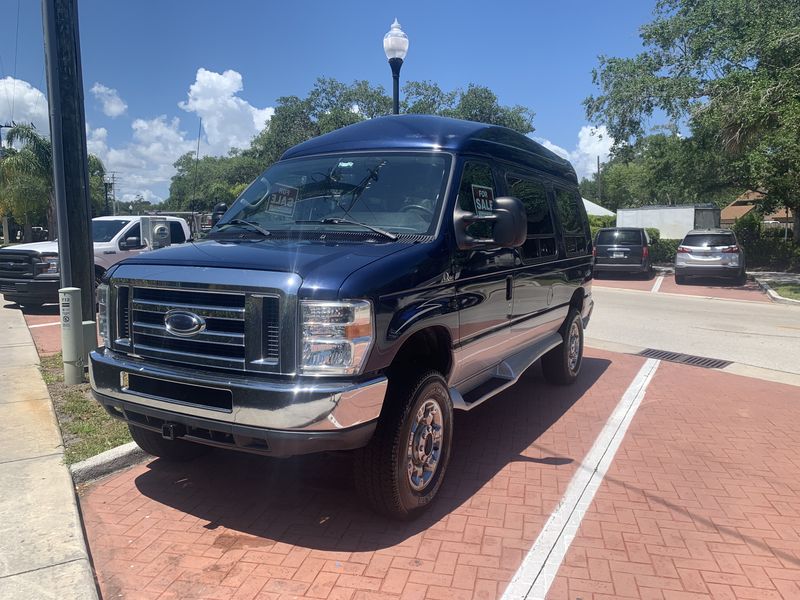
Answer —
(151, 68)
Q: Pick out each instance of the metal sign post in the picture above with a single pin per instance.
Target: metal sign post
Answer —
(72, 347)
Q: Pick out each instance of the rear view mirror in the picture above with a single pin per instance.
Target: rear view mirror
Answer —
(508, 220)
(131, 243)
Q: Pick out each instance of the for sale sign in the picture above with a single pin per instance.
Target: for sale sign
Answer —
(484, 200)
(281, 200)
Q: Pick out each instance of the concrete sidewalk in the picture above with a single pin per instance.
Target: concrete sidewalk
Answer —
(42, 548)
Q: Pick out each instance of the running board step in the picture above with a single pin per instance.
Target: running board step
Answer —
(505, 374)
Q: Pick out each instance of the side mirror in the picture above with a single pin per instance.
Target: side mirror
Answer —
(508, 220)
(131, 243)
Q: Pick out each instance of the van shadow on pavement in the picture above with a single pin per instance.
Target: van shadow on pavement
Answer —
(46, 309)
(310, 501)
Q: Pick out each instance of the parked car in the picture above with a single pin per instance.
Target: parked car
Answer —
(30, 273)
(622, 250)
(710, 253)
(366, 285)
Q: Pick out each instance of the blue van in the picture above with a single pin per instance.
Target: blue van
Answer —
(368, 284)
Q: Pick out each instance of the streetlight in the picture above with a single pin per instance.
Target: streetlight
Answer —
(395, 45)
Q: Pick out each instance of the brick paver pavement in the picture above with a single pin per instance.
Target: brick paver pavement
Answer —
(705, 287)
(701, 500)
(714, 288)
(625, 281)
(240, 526)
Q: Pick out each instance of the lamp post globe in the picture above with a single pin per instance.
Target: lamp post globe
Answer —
(395, 45)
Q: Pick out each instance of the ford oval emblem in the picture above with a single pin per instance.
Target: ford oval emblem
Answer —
(184, 323)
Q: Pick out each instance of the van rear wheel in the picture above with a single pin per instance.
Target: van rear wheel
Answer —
(563, 363)
(402, 468)
(173, 450)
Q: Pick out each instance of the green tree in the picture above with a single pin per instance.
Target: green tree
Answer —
(26, 178)
(730, 70)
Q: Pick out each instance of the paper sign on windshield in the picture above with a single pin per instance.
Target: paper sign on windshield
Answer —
(281, 200)
(484, 200)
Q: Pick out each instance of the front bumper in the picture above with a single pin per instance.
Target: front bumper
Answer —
(268, 416)
(30, 290)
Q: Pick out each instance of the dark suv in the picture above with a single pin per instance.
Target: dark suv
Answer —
(366, 285)
(622, 250)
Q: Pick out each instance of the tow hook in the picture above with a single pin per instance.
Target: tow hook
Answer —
(170, 431)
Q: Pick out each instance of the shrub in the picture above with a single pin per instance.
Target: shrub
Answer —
(748, 228)
(664, 251)
(597, 222)
(770, 253)
(654, 234)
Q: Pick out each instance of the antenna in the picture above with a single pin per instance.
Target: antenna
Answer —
(196, 161)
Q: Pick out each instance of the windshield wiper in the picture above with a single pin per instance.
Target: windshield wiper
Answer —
(247, 225)
(342, 221)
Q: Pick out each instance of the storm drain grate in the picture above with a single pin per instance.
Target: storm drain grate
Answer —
(685, 359)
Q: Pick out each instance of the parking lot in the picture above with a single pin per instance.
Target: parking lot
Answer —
(695, 499)
(699, 502)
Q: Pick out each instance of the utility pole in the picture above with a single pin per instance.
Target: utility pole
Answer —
(68, 135)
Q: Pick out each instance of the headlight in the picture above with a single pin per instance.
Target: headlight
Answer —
(103, 324)
(50, 265)
(336, 336)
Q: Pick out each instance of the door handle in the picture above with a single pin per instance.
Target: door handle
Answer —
(509, 287)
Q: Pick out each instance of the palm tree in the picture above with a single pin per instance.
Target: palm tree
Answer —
(33, 162)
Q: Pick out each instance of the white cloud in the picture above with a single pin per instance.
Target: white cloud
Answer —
(228, 120)
(113, 105)
(144, 164)
(23, 103)
(592, 142)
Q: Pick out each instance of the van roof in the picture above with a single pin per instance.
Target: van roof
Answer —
(427, 132)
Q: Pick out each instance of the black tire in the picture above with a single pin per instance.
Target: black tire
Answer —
(557, 365)
(382, 473)
(173, 450)
(741, 277)
(680, 279)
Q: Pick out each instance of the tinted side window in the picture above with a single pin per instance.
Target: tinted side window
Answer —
(176, 233)
(541, 240)
(571, 221)
(476, 194)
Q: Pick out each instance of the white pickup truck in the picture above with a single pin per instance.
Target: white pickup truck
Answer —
(30, 274)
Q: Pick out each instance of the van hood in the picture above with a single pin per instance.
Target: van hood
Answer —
(37, 247)
(323, 266)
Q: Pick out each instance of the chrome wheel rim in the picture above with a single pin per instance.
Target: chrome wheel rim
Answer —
(424, 450)
(574, 346)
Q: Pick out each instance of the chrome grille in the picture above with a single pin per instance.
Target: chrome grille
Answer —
(16, 264)
(222, 344)
(250, 317)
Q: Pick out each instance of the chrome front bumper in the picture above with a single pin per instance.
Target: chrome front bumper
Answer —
(307, 405)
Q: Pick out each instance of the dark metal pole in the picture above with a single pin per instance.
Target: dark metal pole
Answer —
(68, 136)
(395, 64)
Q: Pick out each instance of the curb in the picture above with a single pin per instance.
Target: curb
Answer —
(773, 295)
(108, 462)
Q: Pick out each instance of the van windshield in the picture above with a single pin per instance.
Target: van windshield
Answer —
(401, 193)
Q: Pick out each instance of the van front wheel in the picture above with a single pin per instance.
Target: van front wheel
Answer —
(563, 363)
(402, 468)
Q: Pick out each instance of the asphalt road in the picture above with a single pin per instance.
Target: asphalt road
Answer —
(757, 334)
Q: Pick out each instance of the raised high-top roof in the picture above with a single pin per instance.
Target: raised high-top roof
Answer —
(426, 132)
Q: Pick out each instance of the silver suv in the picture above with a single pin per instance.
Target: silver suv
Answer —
(710, 253)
